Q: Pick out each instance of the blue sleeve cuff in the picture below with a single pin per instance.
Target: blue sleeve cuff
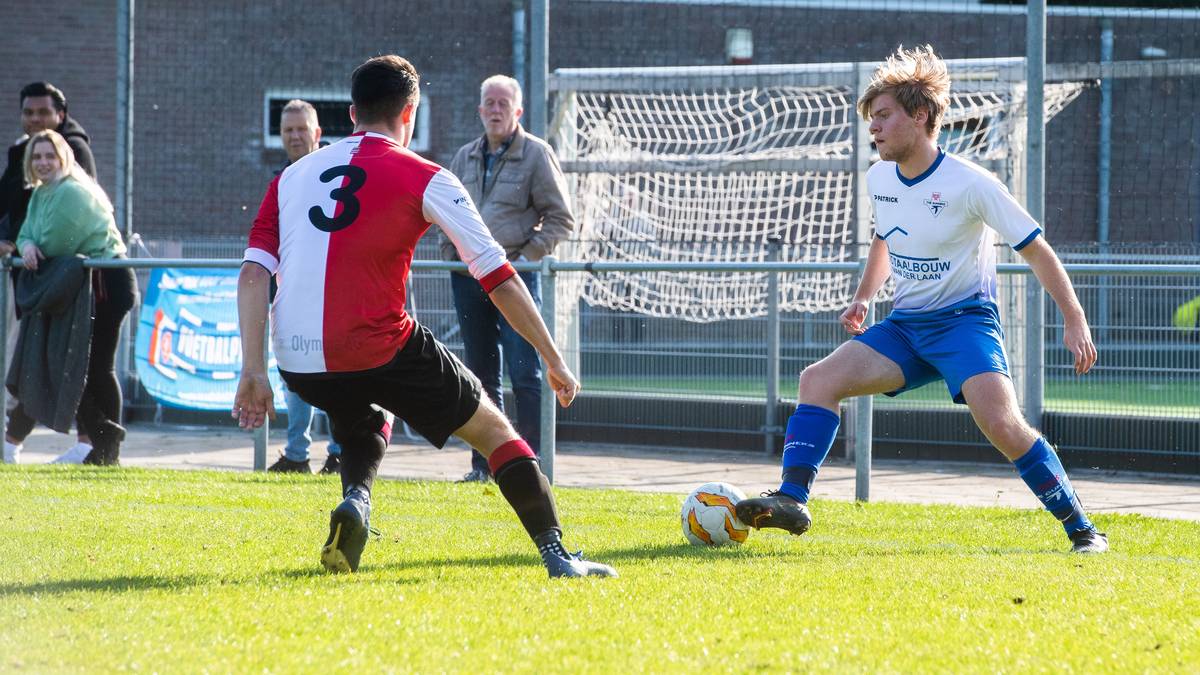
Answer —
(1025, 242)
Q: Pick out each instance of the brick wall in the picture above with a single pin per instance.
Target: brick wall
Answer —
(202, 68)
(202, 167)
(72, 45)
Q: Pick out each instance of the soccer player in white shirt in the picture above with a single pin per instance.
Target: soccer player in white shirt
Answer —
(338, 229)
(935, 219)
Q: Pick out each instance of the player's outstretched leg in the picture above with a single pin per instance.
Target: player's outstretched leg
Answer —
(527, 490)
(993, 403)
(363, 445)
(1042, 471)
(810, 433)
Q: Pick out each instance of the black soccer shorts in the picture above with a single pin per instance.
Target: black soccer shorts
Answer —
(425, 385)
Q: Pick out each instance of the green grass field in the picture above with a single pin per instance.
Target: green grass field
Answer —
(108, 570)
(1083, 395)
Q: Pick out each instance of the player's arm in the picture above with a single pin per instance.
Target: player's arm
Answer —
(875, 274)
(992, 201)
(255, 400)
(514, 302)
(1077, 335)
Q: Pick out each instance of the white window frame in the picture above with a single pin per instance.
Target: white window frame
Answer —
(420, 139)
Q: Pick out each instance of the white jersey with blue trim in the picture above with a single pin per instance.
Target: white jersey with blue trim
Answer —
(939, 227)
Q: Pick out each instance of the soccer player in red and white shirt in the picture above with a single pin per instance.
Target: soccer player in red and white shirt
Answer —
(338, 229)
(936, 216)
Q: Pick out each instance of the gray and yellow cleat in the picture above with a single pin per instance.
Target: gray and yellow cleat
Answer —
(561, 564)
(573, 565)
(349, 526)
(774, 509)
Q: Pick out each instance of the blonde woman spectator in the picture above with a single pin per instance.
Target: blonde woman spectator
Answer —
(70, 215)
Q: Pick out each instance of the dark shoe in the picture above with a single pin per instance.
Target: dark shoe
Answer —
(285, 465)
(349, 525)
(1088, 541)
(98, 457)
(475, 476)
(573, 565)
(106, 444)
(774, 509)
(333, 465)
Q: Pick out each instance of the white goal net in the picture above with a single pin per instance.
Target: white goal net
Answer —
(712, 164)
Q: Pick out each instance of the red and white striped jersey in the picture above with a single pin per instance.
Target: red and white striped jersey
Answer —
(338, 229)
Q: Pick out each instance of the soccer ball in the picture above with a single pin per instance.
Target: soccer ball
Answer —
(708, 516)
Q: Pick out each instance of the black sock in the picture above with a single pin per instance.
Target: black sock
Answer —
(525, 487)
(549, 543)
(362, 451)
(346, 490)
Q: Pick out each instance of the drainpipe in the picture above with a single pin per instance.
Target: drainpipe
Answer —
(518, 41)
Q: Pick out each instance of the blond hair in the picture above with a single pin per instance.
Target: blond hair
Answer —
(502, 81)
(916, 78)
(301, 106)
(66, 157)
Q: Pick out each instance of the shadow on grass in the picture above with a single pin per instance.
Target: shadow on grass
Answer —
(868, 549)
(119, 584)
(130, 584)
(65, 472)
(612, 556)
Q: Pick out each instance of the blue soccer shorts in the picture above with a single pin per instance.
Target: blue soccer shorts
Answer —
(952, 344)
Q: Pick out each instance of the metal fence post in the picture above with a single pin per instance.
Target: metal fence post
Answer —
(123, 192)
(261, 433)
(1035, 195)
(770, 423)
(518, 42)
(864, 411)
(1104, 180)
(539, 47)
(859, 425)
(5, 281)
(549, 402)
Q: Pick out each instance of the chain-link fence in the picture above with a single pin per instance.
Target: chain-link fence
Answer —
(696, 130)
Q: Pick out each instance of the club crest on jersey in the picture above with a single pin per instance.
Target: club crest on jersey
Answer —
(935, 204)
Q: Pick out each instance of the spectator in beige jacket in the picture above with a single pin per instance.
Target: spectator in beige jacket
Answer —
(516, 183)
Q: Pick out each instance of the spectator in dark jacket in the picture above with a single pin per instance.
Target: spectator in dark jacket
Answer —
(43, 106)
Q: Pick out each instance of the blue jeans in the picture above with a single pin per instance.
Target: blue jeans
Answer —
(486, 338)
(300, 417)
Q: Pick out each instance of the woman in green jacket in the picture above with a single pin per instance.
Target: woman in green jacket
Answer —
(69, 214)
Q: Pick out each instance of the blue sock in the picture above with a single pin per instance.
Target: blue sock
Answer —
(810, 433)
(1044, 474)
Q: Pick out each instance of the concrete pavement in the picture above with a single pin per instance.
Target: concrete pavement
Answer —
(668, 470)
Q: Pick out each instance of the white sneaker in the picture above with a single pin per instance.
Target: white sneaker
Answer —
(74, 455)
(12, 453)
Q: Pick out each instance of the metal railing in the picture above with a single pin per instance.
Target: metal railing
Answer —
(859, 436)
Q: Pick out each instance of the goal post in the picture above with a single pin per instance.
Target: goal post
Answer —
(696, 164)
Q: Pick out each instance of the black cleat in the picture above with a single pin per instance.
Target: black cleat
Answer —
(774, 509)
(333, 465)
(98, 457)
(285, 465)
(349, 526)
(1088, 541)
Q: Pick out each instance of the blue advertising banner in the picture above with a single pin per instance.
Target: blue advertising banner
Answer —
(188, 352)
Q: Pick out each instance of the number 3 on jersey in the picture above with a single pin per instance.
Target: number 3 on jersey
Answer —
(344, 196)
